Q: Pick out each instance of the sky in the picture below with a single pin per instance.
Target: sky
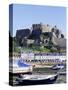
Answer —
(25, 15)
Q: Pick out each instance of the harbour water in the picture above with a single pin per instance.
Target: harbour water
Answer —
(61, 73)
(48, 71)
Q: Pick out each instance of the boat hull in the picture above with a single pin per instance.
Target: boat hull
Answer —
(36, 82)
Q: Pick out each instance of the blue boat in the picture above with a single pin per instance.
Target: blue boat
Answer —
(19, 67)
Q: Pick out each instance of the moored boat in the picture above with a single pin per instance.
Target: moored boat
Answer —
(58, 66)
(19, 67)
(36, 79)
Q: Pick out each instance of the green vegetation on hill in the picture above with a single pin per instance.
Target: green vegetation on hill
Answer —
(33, 48)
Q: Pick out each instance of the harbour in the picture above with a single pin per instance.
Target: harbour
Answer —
(38, 69)
(60, 79)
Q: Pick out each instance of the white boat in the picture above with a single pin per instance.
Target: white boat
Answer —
(36, 79)
(58, 66)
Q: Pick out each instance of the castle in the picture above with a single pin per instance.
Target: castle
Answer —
(41, 34)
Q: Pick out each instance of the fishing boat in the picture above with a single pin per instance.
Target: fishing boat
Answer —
(36, 79)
